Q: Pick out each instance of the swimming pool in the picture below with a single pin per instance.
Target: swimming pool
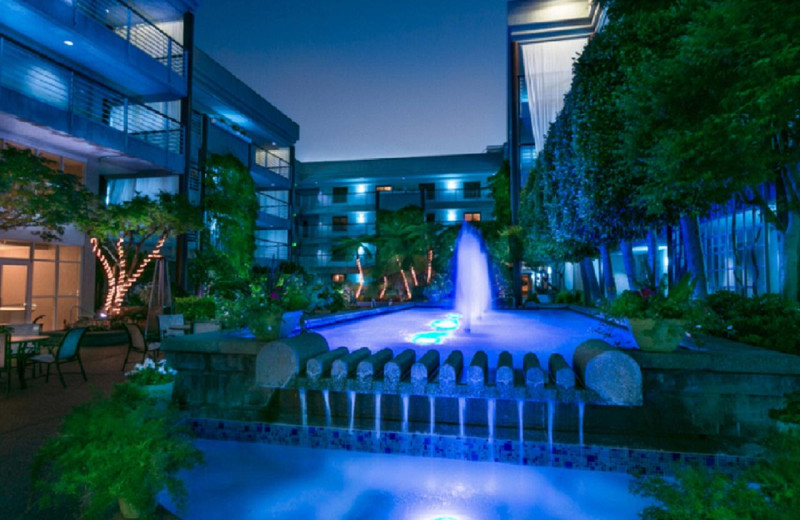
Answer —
(541, 331)
(262, 481)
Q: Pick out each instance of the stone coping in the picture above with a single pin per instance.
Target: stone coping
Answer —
(710, 354)
(330, 319)
(529, 453)
(213, 343)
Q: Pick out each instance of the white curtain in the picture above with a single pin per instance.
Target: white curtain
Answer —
(548, 75)
(121, 190)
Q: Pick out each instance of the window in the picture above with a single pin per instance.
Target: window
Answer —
(430, 217)
(340, 224)
(472, 217)
(337, 278)
(472, 190)
(340, 194)
(383, 188)
(428, 189)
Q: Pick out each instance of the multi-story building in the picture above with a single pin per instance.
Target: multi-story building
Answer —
(115, 93)
(339, 199)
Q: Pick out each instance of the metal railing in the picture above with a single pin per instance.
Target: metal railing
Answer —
(307, 201)
(272, 162)
(272, 205)
(335, 230)
(37, 77)
(137, 30)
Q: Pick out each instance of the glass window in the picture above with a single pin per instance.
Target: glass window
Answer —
(430, 217)
(383, 188)
(44, 278)
(338, 277)
(472, 190)
(70, 254)
(472, 217)
(340, 194)
(340, 223)
(52, 160)
(44, 251)
(429, 189)
(10, 249)
(76, 168)
(69, 279)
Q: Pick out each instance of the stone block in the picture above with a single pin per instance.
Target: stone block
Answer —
(610, 372)
(560, 372)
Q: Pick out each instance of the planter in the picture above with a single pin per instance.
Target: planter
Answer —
(289, 322)
(657, 335)
(161, 393)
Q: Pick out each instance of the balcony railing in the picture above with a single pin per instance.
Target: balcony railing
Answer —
(317, 200)
(335, 230)
(136, 29)
(273, 163)
(35, 76)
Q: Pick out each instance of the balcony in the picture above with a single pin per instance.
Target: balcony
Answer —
(393, 200)
(109, 38)
(39, 90)
(335, 231)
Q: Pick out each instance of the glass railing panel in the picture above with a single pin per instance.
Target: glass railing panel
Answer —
(35, 76)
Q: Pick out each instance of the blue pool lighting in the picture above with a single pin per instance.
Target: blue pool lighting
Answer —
(446, 324)
(429, 338)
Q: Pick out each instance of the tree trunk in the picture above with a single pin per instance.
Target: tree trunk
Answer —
(590, 289)
(626, 248)
(652, 258)
(694, 254)
(790, 268)
(609, 285)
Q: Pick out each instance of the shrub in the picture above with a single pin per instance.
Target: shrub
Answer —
(569, 297)
(196, 308)
(765, 320)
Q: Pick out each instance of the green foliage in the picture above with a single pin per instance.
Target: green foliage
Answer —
(117, 447)
(228, 241)
(196, 308)
(569, 297)
(34, 194)
(663, 303)
(769, 490)
(766, 320)
(500, 187)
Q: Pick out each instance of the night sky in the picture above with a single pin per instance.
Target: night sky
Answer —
(363, 79)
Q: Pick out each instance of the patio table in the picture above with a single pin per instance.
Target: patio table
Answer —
(27, 345)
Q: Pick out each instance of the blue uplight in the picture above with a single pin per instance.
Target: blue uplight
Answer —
(428, 338)
(446, 324)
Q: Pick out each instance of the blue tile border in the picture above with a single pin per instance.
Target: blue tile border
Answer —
(568, 456)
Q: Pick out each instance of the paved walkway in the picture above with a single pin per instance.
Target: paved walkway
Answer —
(28, 417)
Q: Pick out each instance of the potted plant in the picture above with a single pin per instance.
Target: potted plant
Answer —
(116, 450)
(657, 318)
(156, 379)
(198, 310)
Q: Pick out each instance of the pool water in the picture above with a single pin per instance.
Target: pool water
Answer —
(262, 481)
(543, 332)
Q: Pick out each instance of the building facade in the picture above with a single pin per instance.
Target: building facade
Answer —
(336, 200)
(116, 93)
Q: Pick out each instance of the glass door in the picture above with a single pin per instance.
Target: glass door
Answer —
(14, 299)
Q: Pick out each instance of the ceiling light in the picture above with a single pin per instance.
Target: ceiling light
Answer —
(69, 43)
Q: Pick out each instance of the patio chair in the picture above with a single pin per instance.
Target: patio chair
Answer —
(68, 350)
(138, 343)
(165, 321)
(5, 358)
(26, 329)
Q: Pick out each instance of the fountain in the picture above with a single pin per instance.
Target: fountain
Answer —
(351, 397)
(303, 406)
(473, 296)
(326, 396)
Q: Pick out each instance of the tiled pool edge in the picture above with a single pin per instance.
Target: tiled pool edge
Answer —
(567, 456)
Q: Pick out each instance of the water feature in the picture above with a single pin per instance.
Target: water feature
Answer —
(251, 481)
(405, 414)
(462, 405)
(303, 406)
(351, 397)
(432, 413)
(473, 292)
(521, 419)
(490, 414)
(378, 415)
(326, 396)
(581, 408)
(551, 417)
